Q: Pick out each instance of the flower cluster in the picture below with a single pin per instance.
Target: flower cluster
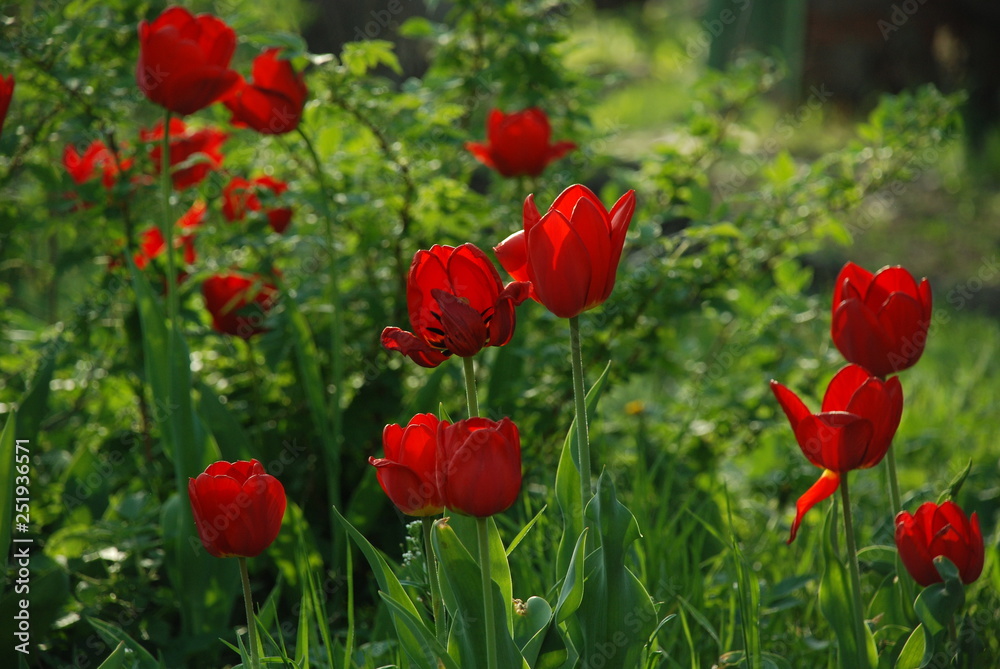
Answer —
(879, 322)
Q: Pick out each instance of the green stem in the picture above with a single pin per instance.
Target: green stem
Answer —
(251, 621)
(336, 333)
(484, 565)
(349, 644)
(852, 563)
(580, 400)
(167, 230)
(906, 587)
(471, 398)
(255, 397)
(432, 577)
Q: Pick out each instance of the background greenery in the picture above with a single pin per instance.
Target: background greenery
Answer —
(748, 205)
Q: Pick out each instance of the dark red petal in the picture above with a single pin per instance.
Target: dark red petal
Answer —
(465, 332)
(859, 337)
(854, 277)
(394, 339)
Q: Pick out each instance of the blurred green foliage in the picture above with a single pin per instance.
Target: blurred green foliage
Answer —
(716, 294)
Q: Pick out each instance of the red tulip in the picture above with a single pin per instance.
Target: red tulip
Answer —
(570, 255)
(880, 321)
(152, 244)
(238, 303)
(6, 93)
(240, 196)
(97, 155)
(272, 103)
(237, 508)
(935, 531)
(479, 465)
(408, 471)
(518, 144)
(200, 151)
(457, 305)
(853, 430)
(184, 60)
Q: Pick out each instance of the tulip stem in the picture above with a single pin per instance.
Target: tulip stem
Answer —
(852, 563)
(484, 565)
(251, 620)
(167, 231)
(580, 400)
(440, 631)
(904, 583)
(471, 397)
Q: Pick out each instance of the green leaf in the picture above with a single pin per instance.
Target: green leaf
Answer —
(359, 57)
(114, 636)
(912, 655)
(568, 481)
(835, 601)
(781, 170)
(8, 455)
(524, 531)
(956, 484)
(117, 657)
(749, 599)
(530, 627)
(468, 632)
(410, 622)
(573, 583)
(465, 528)
(936, 607)
(413, 638)
(617, 615)
(34, 406)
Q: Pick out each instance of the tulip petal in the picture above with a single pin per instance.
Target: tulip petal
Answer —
(591, 225)
(790, 403)
(842, 387)
(906, 333)
(860, 338)
(414, 348)
(887, 281)
(852, 281)
(559, 265)
(465, 333)
(823, 488)
(621, 217)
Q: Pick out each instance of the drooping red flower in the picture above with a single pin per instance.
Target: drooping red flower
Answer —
(479, 465)
(184, 60)
(570, 255)
(457, 305)
(518, 144)
(237, 508)
(241, 195)
(152, 244)
(880, 321)
(272, 102)
(193, 153)
(936, 531)
(239, 304)
(6, 93)
(853, 430)
(97, 156)
(408, 472)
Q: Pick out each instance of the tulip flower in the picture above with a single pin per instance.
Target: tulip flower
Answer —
(272, 102)
(184, 60)
(240, 196)
(479, 465)
(936, 531)
(237, 508)
(570, 255)
(97, 155)
(238, 303)
(854, 429)
(193, 152)
(518, 144)
(6, 93)
(152, 244)
(408, 472)
(880, 321)
(457, 305)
